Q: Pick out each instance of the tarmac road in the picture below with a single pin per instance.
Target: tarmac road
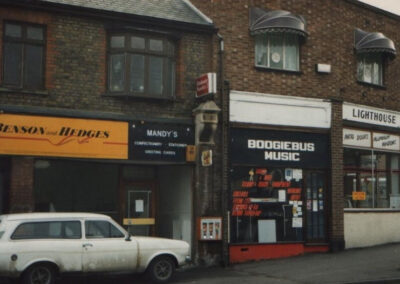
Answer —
(374, 265)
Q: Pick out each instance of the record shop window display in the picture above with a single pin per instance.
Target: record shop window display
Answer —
(374, 176)
(267, 205)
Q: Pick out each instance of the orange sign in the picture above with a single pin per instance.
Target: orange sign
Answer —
(359, 195)
(63, 137)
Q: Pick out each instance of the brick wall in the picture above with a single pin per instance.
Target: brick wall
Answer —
(330, 25)
(76, 68)
(21, 185)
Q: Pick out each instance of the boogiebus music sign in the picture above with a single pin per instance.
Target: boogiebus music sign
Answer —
(279, 148)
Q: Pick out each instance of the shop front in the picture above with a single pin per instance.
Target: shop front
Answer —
(371, 175)
(134, 171)
(279, 179)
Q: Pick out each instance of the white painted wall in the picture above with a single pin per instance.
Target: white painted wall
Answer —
(258, 108)
(175, 203)
(371, 228)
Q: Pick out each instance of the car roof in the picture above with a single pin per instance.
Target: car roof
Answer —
(51, 215)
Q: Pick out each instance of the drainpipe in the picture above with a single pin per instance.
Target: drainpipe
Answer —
(224, 154)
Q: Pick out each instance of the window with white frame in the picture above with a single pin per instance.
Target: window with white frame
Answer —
(370, 68)
(277, 51)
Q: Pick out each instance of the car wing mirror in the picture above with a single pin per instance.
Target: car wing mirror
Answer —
(128, 237)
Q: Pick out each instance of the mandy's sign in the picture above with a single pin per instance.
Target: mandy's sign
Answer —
(161, 142)
(63, 137)
(206, 84)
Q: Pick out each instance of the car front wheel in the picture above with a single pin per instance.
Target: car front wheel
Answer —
(161, 269)
(39, 274)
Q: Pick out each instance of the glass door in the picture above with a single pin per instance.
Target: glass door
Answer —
(140, 209)
(315, 208)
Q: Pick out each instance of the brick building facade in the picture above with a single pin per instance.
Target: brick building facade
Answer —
(77, 42)
(269, 101)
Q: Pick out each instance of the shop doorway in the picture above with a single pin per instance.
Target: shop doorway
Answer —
(315, 184)
(140, 208)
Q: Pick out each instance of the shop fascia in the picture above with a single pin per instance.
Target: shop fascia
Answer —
(380, 140)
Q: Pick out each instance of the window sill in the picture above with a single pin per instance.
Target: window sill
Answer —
(139, 97)
(24, 91)
(260, 68)
(382, 87)
(371, 210)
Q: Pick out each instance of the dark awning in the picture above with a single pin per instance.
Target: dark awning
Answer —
(262, 21)
(373, 42)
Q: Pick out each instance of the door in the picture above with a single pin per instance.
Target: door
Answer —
(106, 249)
(315, 207)
(140, 205)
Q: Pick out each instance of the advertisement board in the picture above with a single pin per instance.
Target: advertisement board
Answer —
(160, 141)
(63, 137)
(279, 148)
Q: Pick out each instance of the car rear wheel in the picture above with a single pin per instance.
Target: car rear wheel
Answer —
(39, 274)
(161, 269)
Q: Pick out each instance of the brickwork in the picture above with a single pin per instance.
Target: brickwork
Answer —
(76, 79)
(331, 26)
(21, 185)
(76, 69)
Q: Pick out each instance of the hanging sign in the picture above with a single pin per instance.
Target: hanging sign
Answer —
(63, 137)
(206, 84)
(386, 141)
(358, 138)
(279, 148)
(160, 141)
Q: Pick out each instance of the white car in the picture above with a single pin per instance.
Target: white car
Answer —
(37, 247)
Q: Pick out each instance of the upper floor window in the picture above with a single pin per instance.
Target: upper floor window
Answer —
(23, 55)
(370, 68)
(277, 51)
(278, 35)
(372, 51)
(141, 66)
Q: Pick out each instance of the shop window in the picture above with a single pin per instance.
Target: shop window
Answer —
(370, 68)
(371, 179)
(23, 55)
(71, 186)
(267, 205)
(141, 66)
(277, 51)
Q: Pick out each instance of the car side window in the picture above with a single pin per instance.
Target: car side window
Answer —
(102, 230)
(48, 230)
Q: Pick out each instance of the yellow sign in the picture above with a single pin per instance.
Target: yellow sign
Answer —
(359, 195)
(139, 221)
(63, 137)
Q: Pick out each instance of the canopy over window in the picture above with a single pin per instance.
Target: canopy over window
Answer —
(262, 21)
(373, 42)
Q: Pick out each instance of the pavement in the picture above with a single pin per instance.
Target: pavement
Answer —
(373, 265)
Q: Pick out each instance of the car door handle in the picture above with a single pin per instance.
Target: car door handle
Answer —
(87, 245)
